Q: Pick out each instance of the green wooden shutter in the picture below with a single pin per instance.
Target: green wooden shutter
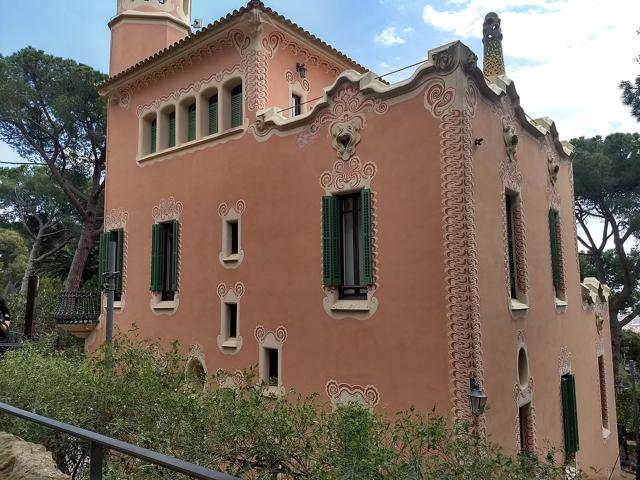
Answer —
(573, 411)
(118, 237)
(154, 135)
(102, 262)
(555, 254)
(365, 236)
(331, 271)
(173, 281)
(236, 107)
(213, 114)
(191, 133)
(157, 257)
(566, 424)
(172, 130)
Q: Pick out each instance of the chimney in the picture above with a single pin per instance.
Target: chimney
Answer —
(493, 64)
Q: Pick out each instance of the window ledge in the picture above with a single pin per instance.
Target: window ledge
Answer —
(273, 391)
(231, 258)
(230, 343)
(350, 306)
(561, 303)
(518, 306)
(605, 433)
(165, 305)
(168, 151)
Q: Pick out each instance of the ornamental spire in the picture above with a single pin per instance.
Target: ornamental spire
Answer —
(493, 64)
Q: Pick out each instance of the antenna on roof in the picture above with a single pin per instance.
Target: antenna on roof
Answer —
(197, 23)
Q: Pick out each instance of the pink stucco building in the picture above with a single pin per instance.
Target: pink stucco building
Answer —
(276, 204)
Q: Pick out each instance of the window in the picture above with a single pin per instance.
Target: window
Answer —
(232, 320)
(116, 236)
(556, 252)
(233, 237)
(272, 355)
(296, 104)
(213, 114)
(603, 393)
(511, 248)
(164, 259)
(347, 261)
(191, 125)
(569, 414)
(236, 106)
(526, 428)
(153, 136)
(172, 129)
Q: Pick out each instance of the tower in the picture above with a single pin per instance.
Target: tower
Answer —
(493, 64)
(144, 27)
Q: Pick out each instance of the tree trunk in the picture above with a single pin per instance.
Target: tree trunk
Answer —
(616, 332)
(31, 264)
(88, 236)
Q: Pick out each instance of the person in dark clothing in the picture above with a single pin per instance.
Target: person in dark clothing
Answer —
(5, 319)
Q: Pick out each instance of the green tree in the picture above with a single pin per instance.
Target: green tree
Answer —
(51, 114)
(28, 196)
(13, 259)
(631, 92)
(607, 190)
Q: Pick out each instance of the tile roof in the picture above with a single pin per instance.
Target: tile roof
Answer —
(214, 26)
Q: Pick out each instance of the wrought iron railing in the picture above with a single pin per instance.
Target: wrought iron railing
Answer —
(82, 307)
(98, 443)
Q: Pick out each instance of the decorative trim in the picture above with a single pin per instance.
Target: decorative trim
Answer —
(347, 175)
(167, 210)
(115, 219)
(275, 40)
(291, 79)
(564, 362)
(345, 136)
(226, 379)
(261, 334)
(229, 295)
(460, 247)
(344, 393)
(227, 214)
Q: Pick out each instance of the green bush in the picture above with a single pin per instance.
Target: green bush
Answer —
(142, 395)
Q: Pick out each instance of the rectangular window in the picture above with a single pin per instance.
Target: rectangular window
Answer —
(272, 366)
(509, 201)
(213, 114)
(603, 393)
(191, 127)
(233, 237)
(164, 259)
(569, 414)
(172, 129)
(296, 104)
(153, 136)
(556, 252)
(236, 106)
(232, 320)
(346, 227)
(116, 236)
(524, 417)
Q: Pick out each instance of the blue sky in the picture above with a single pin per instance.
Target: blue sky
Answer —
(566, 56)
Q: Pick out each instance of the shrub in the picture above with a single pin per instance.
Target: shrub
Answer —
(142, 395)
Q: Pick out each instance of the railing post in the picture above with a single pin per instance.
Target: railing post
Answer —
(96, 461)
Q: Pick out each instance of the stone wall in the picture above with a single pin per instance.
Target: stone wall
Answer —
(20, 460)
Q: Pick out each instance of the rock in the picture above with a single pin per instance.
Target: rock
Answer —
(20, 460)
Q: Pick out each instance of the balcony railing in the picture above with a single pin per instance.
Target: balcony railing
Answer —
(82, 307)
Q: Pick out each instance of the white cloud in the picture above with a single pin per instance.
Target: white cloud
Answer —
(566, 57)
(408, 30)
(388, 36)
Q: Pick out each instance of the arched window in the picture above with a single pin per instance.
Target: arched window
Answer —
(236, 106)
(191, 122)
(172, 129)
(213, 114)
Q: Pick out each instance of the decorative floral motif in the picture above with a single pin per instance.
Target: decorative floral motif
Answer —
(254, 67)
(350, 175)
(223, 209)
(290, 77)
(226, 379)
(342, 393)
(280, 334)
(223, 289)
(167, 209)
(564, 361)
(116, 218)
(460, 247)
(276, 40)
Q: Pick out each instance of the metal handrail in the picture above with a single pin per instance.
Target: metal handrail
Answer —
(99, 442)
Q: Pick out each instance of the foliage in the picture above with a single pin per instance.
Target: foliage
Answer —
(631, 93)
(146, 398)
(607, 189)
(51, 114)
(13, 259)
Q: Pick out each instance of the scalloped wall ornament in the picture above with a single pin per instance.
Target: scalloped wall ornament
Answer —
(167, 209)
(460, 247)
(348, 175)
(564, 361)
(116, 218)
(293, 78)
(237, 290)
(279, 334)
(232, 380)
(277, 39)
(344, 393)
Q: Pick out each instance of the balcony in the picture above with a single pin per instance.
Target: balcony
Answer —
(77, 312)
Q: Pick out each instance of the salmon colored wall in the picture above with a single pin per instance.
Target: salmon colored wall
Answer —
(546, 329)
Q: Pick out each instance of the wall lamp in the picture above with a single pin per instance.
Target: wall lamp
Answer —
(301, 69)
(477, 397)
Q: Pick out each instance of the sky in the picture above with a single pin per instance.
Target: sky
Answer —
(566, 57)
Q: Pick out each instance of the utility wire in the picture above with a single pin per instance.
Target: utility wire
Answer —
(377, 78)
